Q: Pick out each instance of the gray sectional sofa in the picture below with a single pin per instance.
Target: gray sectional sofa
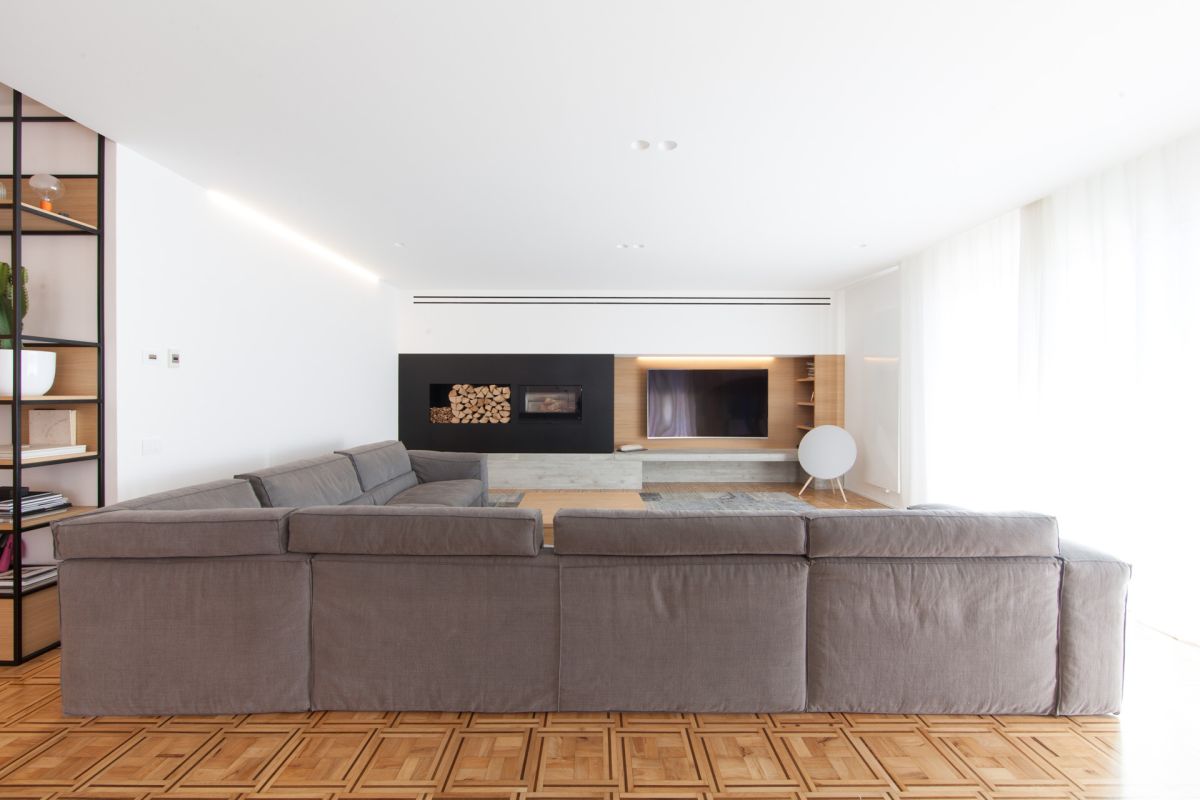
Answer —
(293, 589)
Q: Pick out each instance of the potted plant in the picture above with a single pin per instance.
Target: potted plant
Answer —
(37, 366)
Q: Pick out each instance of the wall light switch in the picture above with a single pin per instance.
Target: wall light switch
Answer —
(150, 358)
(151, 446)
(173, 358)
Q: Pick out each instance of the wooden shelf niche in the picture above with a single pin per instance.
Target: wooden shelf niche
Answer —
(74, 388)
(820, 392)
(76, 210)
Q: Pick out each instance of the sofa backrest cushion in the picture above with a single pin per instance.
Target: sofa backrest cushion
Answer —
(945, 533)
(228, 493)
(593, 532)
(321, 481)
(416, 531)
(382, 463)
(196, 533)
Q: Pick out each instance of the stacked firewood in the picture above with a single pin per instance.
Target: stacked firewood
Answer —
(441, 415)
(480, 404)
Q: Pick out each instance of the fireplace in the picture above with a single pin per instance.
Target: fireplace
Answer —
(551, 403)
(506, 403)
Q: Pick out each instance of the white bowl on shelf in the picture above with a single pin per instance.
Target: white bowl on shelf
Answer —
(37, 372)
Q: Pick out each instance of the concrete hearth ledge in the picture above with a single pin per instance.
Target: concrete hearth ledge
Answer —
(631, 470)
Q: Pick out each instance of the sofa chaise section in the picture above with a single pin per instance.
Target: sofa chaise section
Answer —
(431, 608)
(682, 611)
(198, 611)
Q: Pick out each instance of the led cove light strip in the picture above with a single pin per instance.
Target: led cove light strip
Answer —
(706, 358)
(288, 234)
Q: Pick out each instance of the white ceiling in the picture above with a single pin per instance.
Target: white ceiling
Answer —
(493, 138)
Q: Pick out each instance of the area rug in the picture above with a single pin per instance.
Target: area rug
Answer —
(723, 501)
(690, 501)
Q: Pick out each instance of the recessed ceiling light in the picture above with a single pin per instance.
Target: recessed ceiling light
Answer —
(640, 144)
(628, 246)
(399, 244)
(667, 145)
(622, 246)
(862, 244)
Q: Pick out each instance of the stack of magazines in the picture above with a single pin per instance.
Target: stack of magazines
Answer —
(31, 578)
(34, 504)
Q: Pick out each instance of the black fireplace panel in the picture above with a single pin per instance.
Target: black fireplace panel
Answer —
(519, 403)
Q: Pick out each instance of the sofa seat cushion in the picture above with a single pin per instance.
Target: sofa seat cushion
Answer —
(322, 481)
(416, 531)
(383, 468)
(594, 532)
(944, 533)
(460, 493)
(196, 533)
(228, 493)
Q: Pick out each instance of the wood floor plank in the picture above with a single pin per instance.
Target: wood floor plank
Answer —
(912, 761)
(67, 759)
(492, 759)
(406, 760)
(154, 761)
(240, 760)
(579, 758)
(744, 759)
(999, 762)
(659, 759)
(322, 759)
(828, 760)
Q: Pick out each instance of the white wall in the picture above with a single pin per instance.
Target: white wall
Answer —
(871, 311)
(283, 354)
(619, 329)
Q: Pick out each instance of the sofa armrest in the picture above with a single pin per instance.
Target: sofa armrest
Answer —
(1091, 648)
(435, 465)
(173, 534)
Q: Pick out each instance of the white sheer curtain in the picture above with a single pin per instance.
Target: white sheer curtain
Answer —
(1051, 363)
(959, 365)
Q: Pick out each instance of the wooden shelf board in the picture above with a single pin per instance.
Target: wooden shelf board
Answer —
(804, 427)
(33, 462)
(54, 398)
(38, 221)
(805, 403)
(805, 380)
(43, 521)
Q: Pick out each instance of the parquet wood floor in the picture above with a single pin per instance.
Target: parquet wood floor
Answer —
(557, 756)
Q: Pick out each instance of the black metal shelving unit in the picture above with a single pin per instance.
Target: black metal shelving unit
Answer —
(30, 220)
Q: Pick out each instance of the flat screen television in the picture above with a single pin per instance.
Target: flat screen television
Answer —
(706, 403)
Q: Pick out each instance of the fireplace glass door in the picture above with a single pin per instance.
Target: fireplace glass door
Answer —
(551, 402)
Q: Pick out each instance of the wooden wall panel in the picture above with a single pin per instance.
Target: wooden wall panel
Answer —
(629, 403)
(830, 387)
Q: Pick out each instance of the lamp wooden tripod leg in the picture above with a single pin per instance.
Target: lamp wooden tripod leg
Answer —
(840, 489)
(805, 486)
